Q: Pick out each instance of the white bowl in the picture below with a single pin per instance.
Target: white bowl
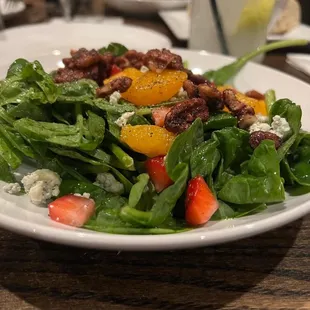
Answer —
(146, 6)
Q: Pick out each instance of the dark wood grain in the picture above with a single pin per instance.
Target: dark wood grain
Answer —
(270, 271)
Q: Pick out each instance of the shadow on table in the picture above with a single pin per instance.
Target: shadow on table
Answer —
(58, 277)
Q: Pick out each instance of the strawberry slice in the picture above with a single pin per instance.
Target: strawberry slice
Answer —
(159, 115)
(156, 169)
(115, 69)
(71, 210)
(200, 202)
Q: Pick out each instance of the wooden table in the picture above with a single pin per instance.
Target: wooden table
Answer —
(270, 271)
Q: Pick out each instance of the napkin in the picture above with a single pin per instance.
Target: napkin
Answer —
(300, 62)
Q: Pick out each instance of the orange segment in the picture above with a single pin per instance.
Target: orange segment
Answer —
(153, 88)
(128, 72)
(150, 140)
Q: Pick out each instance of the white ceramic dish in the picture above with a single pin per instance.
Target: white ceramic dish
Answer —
(178, 22)
(54, 37)
(145, 6)
(17, 214)
(10, 9)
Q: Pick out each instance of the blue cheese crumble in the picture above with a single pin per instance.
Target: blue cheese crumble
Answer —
(122, 121)
(115, 97)
(41, 185)
(12, 188)
(108, 182)
(279, 126)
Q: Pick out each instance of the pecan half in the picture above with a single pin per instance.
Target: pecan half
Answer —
(258, 136)
(212, 96)
(69, 75)
(131, 58)
(255, 95)
(245, 114)
(120, 84)
(191, 89)
(159, 60)
(183, 114)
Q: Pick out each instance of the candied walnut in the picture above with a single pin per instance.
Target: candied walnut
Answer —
(183, 114)
(82, 59)
(120, 84)
(159, 60)
(255, 95)
(258, 136)
(245, 114)
(212, 96)
(195, 78)
(191, 89)
(131, 58)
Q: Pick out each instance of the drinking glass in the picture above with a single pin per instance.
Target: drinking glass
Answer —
(230, 27)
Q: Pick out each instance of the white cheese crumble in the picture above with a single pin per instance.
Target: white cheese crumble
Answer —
(41, 185)
(85, 195)
(12, 188)
(279, 126)
(181, 95)
(115, 97)
(122, 121)
(144, 69)
(108, 182)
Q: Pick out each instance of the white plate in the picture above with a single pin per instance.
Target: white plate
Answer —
(56, 36)
(178, 22)
(12, 8)
(17, 214)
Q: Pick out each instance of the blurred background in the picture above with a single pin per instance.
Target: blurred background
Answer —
(166, 16)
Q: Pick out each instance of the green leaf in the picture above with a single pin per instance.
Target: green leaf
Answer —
(205, 159)
(219, 121)
(262, 182)
(116, 49)
(223, 75)
(138, 189)
(5, 172)
(270, 99)
(233, 145)
(183, 147)
(224, 212)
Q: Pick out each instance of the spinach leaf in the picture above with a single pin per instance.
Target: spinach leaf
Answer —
(17, 141)
(124, 159)
(138, 120)
(116, 49)
(81, 91)
(205, 158)
(183, 147)
(5, 172)
(290, 111)
(11, 155)
(246, 210)
(5, 117)
(233, 145)
(270, 99)
(226, 73)
(138, 189)
(27, 82)
(262, 182)
(164, 204)
(224, 212)
(219, 121)
(29, 110)
(118, 108)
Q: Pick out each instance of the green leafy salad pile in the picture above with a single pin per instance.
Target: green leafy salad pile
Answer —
(67, 129)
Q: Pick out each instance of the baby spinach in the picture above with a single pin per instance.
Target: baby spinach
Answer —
(270, 99)
(224, 212)
(138, 189)
(226, 73)
(205, 159)
(262, 182)
(233, 145)
(219, 121)
(116, 49)
(183, 147)
(5, 172)
(164, 204)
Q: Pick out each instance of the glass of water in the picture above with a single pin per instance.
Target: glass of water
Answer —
(230, 27)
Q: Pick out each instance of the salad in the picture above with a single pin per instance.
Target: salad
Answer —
(126, 142)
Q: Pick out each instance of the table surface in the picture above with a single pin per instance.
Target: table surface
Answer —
(270, 271)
